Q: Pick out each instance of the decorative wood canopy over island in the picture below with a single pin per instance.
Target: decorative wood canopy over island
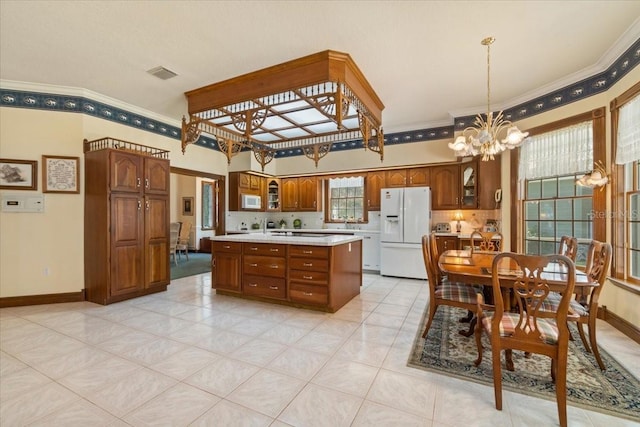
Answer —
(310, 270)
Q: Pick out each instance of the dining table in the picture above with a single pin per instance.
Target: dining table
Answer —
(474, 267)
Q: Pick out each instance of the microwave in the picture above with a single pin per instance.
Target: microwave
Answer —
(249, 201)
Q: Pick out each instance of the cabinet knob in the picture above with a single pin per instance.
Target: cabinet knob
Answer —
(146, 183)
(138, 182)
(273, 266)
(274, 250)
(275, 288)
(253, 265)
(253, 285)
(307, 277)
(307, 252)
(253, 248)
(308, 264)
(226, 246)
(308, 293)
(139, 205)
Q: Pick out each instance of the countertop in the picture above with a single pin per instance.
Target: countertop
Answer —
(460, 235)
(315, 240)
(308, 230)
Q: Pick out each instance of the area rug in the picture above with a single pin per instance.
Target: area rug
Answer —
(198, 263)
(614, 392)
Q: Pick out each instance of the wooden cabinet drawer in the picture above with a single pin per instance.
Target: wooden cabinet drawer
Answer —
(264, 266)
(309, 264)
(308, 294)
(311, 277)
(235, 247)
(270, 287)
(309, 251)
(264, 249)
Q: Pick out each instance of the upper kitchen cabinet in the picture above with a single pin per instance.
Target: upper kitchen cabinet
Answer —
(375, 181)
(488, 182)
(469, 190)
(301, 194)
(242, 183)
(412, 177)
(272, 195)
(445, 187)
(470, 185)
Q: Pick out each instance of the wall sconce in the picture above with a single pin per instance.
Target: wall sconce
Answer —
(597, 178)
(458, 217)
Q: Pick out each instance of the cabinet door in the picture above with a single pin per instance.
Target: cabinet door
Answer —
(273, 195)
(156, 237)
(156, 176)
(488, 182)
(445, 187)
(127, 245)
(244, 180)
(289, 194)
(446, 243)
(225, 271)
(419, 177)
(126, 172)
(396, 178)
(309, 194)
(469, 180)
(255, 183)
(375, 182)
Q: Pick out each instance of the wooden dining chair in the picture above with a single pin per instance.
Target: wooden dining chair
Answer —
(568, 247)
(530, 329)
(441, 291)
(598, 261)
(486, 241)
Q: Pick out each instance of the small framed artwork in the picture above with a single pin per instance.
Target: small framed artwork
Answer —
(60, 174)
(187, 206)
(18, 174)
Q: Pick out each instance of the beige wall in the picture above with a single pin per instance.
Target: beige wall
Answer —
(43, 253)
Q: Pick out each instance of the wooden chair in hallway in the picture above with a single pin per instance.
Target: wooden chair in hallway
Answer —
(174, 233)
(441, 291)
(531, 329)
(183, 239)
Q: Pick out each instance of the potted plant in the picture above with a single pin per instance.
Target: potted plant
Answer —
(283, 223)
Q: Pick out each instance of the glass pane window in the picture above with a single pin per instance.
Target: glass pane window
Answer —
(554, 208)
(347, 199)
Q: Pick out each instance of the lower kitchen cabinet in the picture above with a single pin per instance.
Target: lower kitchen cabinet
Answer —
(226, 266)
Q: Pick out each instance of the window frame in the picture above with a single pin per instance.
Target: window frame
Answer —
(327, 198)
(598, 119)
(620, 195)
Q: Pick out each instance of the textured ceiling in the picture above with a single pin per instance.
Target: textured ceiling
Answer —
(423, 58)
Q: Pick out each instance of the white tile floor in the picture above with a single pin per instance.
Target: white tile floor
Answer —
(190, 357)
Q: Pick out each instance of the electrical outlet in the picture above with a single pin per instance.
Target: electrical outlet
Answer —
(46, 271)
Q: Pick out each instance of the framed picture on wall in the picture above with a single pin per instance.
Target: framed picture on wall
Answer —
(60, 174)
(187, 206)
(18, 174)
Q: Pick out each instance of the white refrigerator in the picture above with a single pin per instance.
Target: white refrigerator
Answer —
(405, 216)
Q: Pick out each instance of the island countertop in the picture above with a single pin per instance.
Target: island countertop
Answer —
(276, 237)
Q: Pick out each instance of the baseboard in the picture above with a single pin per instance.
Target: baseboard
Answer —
(619, 323)
(42, 299)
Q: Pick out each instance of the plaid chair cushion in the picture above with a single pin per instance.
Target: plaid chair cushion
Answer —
(457, 292)
(547, 328)
(553, 299)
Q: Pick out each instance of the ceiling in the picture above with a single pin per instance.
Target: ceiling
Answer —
(423, 58)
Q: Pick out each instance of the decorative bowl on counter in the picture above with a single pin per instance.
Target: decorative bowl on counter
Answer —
(297, 223)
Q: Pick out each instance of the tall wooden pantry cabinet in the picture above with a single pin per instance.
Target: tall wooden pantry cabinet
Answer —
(126, 220)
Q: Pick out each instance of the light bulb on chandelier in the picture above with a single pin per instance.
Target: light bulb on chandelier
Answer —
(483, 138)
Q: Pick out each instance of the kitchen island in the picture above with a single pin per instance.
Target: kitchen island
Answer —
(310, 270)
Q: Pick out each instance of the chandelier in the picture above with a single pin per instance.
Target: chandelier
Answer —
(484, 137)
(301, 106)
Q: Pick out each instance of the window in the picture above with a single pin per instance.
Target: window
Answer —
(208, 205)
(556, 207)
(625, 119)
(346, 199)
(552, 204)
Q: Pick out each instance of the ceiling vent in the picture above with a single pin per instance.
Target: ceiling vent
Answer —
(162, 73)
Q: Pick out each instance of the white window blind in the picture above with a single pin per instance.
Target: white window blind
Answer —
(560, 152)
(628, 142)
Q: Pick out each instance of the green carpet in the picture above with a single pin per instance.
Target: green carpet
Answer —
(614, 391)
(198, 263)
